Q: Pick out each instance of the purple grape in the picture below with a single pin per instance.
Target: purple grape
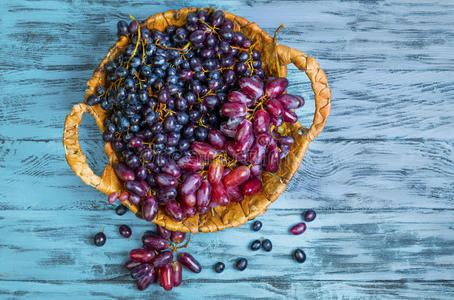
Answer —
(163, 232)
(163, 258)
(149, 208)
(189, 262)
(276, 87)
(123, 172)
(140, 271)
(125, 231)
(309, 215)
(174, 211)
(155, 242)
(146, 280)
(136, 188)
(298, 228)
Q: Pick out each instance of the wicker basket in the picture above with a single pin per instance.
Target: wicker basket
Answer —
(235, 214)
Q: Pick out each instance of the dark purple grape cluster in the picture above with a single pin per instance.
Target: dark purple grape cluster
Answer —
(193, 120)
(155, 260)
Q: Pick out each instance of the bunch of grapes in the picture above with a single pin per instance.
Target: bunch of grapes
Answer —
(155, 260)
(193, 118)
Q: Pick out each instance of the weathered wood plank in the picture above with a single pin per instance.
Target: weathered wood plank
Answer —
(383, 73)
(264, 288)
(340, 245)
(334, 174)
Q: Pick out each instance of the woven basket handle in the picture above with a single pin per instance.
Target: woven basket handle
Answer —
(319, 82)
(78, 160)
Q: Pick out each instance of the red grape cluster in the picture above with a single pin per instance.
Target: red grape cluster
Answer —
(155, 260)
(193, 120)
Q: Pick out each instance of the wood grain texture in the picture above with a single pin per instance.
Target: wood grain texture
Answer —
(381, 174)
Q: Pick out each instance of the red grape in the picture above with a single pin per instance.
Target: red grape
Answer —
(149, 208)
(289, 116)
(178, 236)
(174, 211)
(136, 188)
(204, 150)
(172, 169)
(261, 121)
(204, 194)
(145, 281)
(272, 162)
(189, 262)
(215, 171)
(190, 163)
(155, 242)
(257, 153)
(234, 110)
(112, 197)
(216, 138)
(166, 277)
(165, 257)
(140, 271)
(177, 273)
(163, 232)
(189, 200)
(276, 87)
(141, 255)
(165, 180)
(288, 101)
(191, 184)
(298, 228)
(251, 87)
(219, 195)
(243, 131)
(235, 194)
(274, 107)
(238, 97)
(238, 176)
(123, 172)
(252, 186)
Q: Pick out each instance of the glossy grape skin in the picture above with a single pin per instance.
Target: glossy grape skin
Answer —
(136, 188)
(257, 225)
(177, 273)
(243, 131)
(190, 163)
(238, 97)
(166, 277)
(131, 264)
(204, 150)
(174, 211)
(289, 116)
(276, 87)
(219, 267)
(234, 110)
(299, 255)
(165, 180)
(274, 107)
(267, 245)
(149, 208)
(235, 194)
(204, 194)
(188, 200)
(163, 232)
(172, 169)
(257, 153)
(121, 210)
(191, 183)
(155, 242)
(288, 101)
(298, 229)
(141, 255)
(251, 87)
(140, 271)
(99, 239)
(216, 138)
(241, 264)
(189, 262)
(145, 281)
(272, 162)
(112, 197)
(163, 258)
(125, 231)
(309, 215)
(238, 176)
(178, 236)
(255, 245)
(256, 171)
(252, 186)
(219, 194)
(215, 171)
(123, 172)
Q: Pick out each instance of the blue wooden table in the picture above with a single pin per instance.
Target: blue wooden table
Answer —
(381, 175)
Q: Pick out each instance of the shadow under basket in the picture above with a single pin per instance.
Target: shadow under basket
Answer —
(274, 56)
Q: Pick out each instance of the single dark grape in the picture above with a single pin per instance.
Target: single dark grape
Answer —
(219, 267)
(125, 231)
(100, 239)
(309, 215)
(255, 245)
(257, 225)
(241, 264)
(121, 210)
(299, 255)
(267, 245)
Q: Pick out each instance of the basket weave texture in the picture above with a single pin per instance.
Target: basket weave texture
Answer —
(236, 213)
